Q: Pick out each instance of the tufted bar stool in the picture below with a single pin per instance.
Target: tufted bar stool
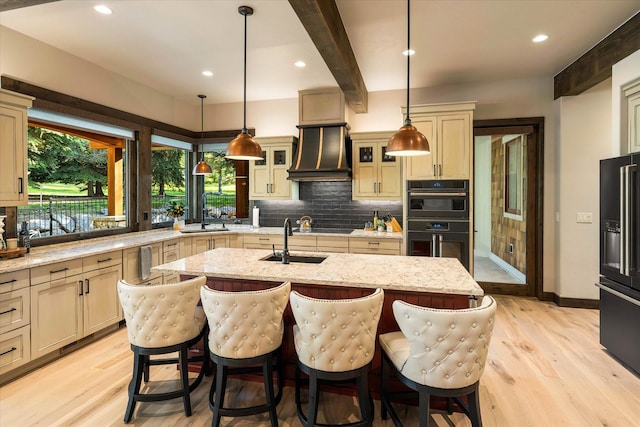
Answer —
(163, 319)
(437, 352)
(335, 341)
(246, 330)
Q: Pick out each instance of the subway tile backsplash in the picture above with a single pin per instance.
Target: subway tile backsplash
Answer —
(328, 203)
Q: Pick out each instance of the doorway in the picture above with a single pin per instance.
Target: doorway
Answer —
(508, 165)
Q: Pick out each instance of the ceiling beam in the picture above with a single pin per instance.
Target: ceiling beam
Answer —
(17, 4)
(322, 21)
(595, 66)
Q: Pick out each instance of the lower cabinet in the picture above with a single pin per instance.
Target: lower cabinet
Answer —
(200, 244)
(15, 318)
(131, 265)
(66, 309)
(332, 244)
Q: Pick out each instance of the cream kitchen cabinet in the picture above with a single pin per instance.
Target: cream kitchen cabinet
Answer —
(73, 299)
(268, 177)
(332, 244)
(173, 250)
(374, 245)
(13, 145)
(131, 272)
(449, 130)
(207, 242)
(15, 318)
(375, 175)
(262, 241)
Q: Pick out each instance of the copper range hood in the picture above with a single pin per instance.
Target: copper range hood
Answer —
(323, 153)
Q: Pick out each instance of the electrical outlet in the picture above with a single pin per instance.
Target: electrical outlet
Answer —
(510, 248)
(145, 216)
(584, 217)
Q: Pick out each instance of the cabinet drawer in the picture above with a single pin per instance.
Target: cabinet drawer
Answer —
(333, 244)
(108, 259)
(174, 245)
(300, 242)
(375, 246)
(59, 270)
(263, 241)
(14, 280)
(15, 349)
(14, 310)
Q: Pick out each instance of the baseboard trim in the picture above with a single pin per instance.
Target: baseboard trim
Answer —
(571, 302)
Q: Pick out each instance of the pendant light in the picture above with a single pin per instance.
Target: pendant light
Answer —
(243, 147)
(408, 141)
(202, 168)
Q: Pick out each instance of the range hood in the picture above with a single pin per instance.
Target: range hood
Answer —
(323, 154)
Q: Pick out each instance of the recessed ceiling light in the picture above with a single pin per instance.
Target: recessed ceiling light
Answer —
(101, 8)
(300, 64)
(409, 52)
(540, 38)
(207, 73)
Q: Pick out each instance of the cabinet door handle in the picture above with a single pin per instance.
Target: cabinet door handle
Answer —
(271, 188)
(374, 243)
(267, 188)
(264, 238)
(379, 187)
(58, 271)
(87, 283)
(21, 183)
(81, 288)
(440, 170)
(104, 260)
(8, 351)
(434, 170)
(8, 311)
(8, 281)
(170, 244)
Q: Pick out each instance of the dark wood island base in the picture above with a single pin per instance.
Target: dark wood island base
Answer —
(387, 322)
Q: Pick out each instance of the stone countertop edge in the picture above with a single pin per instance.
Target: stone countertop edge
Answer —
(60, 252)
(416, 274)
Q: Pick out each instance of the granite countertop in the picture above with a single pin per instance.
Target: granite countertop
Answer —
(49, 254)
(417, 274)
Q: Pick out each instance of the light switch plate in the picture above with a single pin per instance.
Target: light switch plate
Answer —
(584, 217)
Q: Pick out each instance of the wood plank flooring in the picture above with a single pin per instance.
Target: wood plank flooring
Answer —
(545, 368)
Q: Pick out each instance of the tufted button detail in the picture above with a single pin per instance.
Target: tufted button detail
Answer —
(406, 315)
(344, 326)
(474, 325)
(334, 315)
(322, 349)
(235, 328)
(428, 348)
(342, 349)
(462, 339)
(333, 337)
(450, 352)
(447, 376)
(424, 371)
(459, 364)
(453, 326)
(331, 361)
(468, 374)
(161, 295)
(437, 363)
(323, 326)
(439, 339)
(428, 323)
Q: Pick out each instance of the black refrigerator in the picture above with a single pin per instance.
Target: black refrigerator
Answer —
(619, 281)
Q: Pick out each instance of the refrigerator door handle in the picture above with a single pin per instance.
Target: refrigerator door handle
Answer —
(624, 198)
(433, 246)
(440, 249)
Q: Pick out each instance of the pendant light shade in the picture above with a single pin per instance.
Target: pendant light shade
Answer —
(202, 167)
(243, 147)
(408, 141)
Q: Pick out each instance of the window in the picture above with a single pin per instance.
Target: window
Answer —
(76, 181)
(169, 179)
(513, 173)
(219, 187)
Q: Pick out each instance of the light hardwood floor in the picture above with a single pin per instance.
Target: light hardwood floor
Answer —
(545, 368)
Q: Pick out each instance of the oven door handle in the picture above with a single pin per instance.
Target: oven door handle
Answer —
(434, 194)
(440, 248)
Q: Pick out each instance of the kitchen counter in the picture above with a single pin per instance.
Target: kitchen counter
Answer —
(413, 274)
(49, 254)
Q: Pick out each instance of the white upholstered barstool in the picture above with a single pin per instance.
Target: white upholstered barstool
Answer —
(163, 319)
(246, 330)
(437, 353)
(335, 341)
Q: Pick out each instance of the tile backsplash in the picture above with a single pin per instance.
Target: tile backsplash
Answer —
(328, 203)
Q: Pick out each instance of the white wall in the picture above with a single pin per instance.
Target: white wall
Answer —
(585, 132)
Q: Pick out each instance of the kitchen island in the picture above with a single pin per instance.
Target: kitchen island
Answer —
(425, 281)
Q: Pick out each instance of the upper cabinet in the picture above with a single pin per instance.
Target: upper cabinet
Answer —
(449, 130)
(375, 175)
(268, 177)
(13, 145)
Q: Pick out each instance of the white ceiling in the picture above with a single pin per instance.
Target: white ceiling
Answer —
(167, 44)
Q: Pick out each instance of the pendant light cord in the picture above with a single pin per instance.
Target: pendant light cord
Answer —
(244, 120)
(407, 120)
(202, 97)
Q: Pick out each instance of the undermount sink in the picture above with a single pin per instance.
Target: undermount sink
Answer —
(199, 230)
(297, 258)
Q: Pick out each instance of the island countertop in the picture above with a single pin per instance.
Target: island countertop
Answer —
(404, 273)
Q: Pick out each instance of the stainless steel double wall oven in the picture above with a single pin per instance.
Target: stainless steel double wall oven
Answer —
(438, 219)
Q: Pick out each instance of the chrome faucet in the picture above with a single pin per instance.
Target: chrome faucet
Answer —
(288, 231)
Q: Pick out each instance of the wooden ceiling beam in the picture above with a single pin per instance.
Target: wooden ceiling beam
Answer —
(322, 21)
(595, 66)
(17, 4)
